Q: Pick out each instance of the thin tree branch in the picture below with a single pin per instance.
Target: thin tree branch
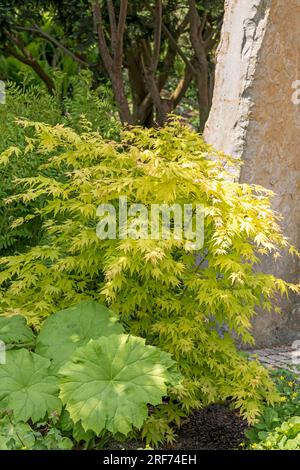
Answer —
(36, 29)
(151, 83)
(196, 40)
(157, 35)
(113, 61)
(118, 53)
(177, 48)
(208, 40)
(168, 63)
(203, 23)
(28, 59)
(181, 88)
(98, 22)
(113, 23)
(31, 62)
(184, 24)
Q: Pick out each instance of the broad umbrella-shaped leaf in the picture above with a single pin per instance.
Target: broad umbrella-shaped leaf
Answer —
(108, 383)
(15, 332)
(65, 331)
(27, 386)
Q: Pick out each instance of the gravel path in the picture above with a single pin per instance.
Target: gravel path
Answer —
(280, 357)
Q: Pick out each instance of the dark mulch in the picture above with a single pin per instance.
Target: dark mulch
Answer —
(215, 427)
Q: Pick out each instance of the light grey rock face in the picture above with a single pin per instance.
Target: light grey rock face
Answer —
(256, 116)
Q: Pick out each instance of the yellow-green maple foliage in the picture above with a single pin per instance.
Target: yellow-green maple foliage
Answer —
(155, 286)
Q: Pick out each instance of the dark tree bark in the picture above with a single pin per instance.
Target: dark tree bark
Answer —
(197, 26)
(113, 60)
(142, 113)
(19, 51)
(148, 59)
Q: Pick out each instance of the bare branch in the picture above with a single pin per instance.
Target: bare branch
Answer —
(184, 24)
(183, 85)
(195, 23)
(196, 39)
(113, 23)
(209, 40)
(98, 22)
(152, 84)
(36, 29)
(203, 23)
(177, 48)
(118, 53)
(157, 34)
(181, 88)
(29, 60)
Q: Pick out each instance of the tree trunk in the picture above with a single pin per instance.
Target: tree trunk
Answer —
(121, 99)
(203, 93)
(142, 107)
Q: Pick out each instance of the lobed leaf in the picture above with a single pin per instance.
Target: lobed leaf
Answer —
(27, 386)
(65, 331)
(108, 383)
(15, 332)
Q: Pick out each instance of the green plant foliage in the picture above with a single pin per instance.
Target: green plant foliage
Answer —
(185, 304)
(30, 101)
(27, 386)
(80, 435)
(15, 435)
(85, 110)
(109, 382)
(53, 440)
(27, 103)
(65, 331)
(30, 386)
(21, 436)
(284, 437)
(14, 332)
(273, 416)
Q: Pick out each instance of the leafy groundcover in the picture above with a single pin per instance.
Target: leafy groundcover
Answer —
(85, 381)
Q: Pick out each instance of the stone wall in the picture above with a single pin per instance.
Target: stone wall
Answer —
(254, 117)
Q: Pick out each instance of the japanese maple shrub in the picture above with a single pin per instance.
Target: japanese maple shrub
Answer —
(184, 303)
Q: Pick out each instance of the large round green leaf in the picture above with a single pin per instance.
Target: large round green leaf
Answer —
(65, 331)
(14, 332)
(27, 386)
(108, 383)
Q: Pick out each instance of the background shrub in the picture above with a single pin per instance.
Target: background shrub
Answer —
(83, 108)
(160, 291)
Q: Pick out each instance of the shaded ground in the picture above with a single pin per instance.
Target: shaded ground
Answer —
(215, 427)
